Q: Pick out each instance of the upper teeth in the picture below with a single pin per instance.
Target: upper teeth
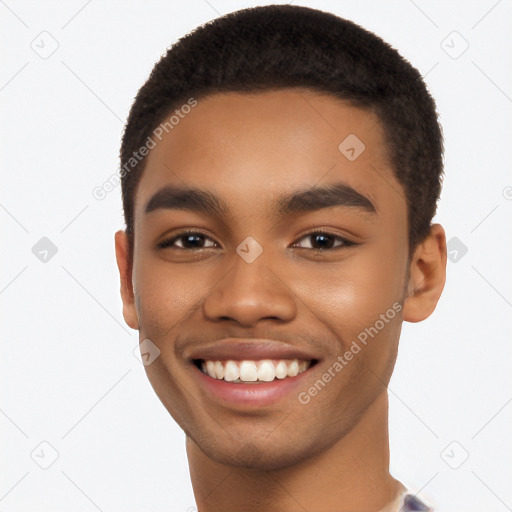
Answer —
(252, 371)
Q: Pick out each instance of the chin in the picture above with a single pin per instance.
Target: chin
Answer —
(261, 455)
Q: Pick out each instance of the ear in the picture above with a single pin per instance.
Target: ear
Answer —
(427, 276)
(125, 271)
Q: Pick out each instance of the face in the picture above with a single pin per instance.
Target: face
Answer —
(291, 248)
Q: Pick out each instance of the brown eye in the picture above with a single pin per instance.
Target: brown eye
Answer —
(188, 240)
(320, 240)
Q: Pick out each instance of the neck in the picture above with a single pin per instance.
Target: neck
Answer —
(352, 475)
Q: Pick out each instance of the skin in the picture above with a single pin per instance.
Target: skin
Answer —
(332, 453)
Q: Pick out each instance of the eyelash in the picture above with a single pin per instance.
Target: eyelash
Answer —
(168, 243)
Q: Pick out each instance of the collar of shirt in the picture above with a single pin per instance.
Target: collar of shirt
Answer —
(406, 501)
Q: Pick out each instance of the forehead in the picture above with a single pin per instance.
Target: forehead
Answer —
(248, 146)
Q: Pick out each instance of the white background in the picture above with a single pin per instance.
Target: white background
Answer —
(69, 377)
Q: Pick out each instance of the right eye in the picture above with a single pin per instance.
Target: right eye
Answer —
(188, 240)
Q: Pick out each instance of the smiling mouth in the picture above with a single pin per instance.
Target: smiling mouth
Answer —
(253, 371)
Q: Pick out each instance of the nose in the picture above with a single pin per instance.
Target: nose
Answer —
(251, 292)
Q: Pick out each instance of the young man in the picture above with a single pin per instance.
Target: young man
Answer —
(280, 170)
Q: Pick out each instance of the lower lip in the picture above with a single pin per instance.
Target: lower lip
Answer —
(257, 394)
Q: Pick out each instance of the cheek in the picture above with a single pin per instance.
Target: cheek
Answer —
(358, 300)
(167, 295)
(349, 298)
(351, 295)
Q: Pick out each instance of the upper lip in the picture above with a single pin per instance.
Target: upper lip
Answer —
(250, 349)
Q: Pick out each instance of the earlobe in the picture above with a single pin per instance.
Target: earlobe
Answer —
(427, 276)
(125, 274)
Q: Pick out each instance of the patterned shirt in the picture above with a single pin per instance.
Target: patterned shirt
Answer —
(412, 503)
(407, 501)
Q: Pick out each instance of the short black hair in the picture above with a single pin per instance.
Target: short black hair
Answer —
(282, 46)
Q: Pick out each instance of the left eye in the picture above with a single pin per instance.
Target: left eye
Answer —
(322, 241)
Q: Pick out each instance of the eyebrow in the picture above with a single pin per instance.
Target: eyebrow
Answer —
(307, 200)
